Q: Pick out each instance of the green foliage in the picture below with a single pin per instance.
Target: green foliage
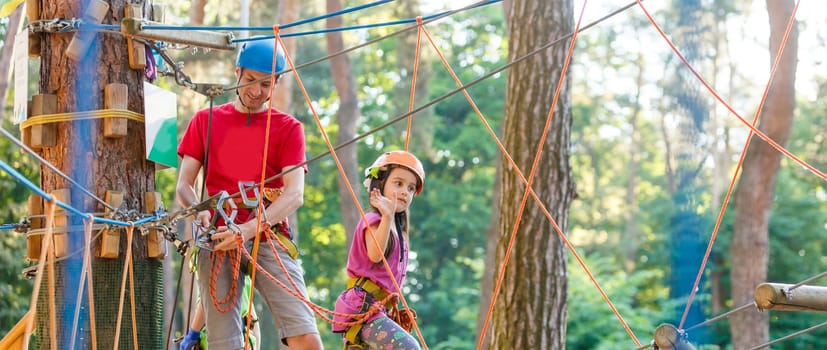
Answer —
(593, 325)
(15, 292)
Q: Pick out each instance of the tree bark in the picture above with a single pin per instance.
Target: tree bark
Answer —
(753, 197)
(342, 73)
(99, 164)
(530, 312)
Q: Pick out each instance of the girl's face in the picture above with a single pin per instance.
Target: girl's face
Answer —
(400, 188)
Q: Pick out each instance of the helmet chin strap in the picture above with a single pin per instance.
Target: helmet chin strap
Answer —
(241, 100)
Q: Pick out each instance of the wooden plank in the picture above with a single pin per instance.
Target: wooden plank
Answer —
(779, 297)
(61, 222)
(156, 245)
(43, 135)
(199, 38)
(116, 96)
(96, 11)
(135, 49)
(111, 239)
(667, 337)
(34, 241)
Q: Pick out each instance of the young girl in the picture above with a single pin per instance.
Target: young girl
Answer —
(392, 182)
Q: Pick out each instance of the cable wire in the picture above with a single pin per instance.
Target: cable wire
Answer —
(54, 168)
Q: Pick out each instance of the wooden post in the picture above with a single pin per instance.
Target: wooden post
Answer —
(109, 163)
(61, 222)
(111, 239)
(136, 49)
(156, 245)
(116, 96)
(779, 297)
(667, 337)
(43, 135)
(34, 241)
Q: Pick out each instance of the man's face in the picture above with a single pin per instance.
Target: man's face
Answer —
(255, 94)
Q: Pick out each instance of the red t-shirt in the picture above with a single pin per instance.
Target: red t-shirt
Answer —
(236, 149)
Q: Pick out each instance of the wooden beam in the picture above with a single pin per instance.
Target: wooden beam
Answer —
(199, 38)
(779, 297)
(667, 337)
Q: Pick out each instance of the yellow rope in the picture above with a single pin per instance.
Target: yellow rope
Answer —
(69, 116)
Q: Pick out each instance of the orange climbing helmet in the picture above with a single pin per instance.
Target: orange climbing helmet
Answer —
(400, 158)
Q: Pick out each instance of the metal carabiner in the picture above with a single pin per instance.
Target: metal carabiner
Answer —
(243, 187)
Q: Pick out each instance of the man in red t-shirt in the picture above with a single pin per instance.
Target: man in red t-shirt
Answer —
(228, 143)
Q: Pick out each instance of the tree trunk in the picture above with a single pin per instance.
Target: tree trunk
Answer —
(289, 11)
(420, 140)
(197, 12)
(342, 73)
(492, 235)
(99, 164)
(530, 313)
(632, 233)
(753, 197)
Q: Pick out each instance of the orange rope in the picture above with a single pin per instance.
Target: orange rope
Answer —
(740, 159)
(413, 81)
(87, 230)
(343, 174)
(50, 287)
(717, 96)
(553, 222)
(129, 231)
(46, 245)
(531, 192)
(89, 278)
(126, 264)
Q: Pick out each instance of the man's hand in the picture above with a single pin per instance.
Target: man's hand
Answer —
(227, 237)
(203, 217)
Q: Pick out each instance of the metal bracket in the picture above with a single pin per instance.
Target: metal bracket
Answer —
(201, 38)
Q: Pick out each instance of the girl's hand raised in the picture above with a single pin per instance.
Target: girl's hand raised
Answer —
(385, 206)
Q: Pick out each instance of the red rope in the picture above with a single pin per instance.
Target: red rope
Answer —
(413, 81)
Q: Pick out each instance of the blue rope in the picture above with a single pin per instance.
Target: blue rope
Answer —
(270, 28)
(22, 179)
(114, 27)
(361, 26)
(8, 226)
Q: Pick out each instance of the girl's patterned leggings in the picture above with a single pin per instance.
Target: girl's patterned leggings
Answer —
(384, 334)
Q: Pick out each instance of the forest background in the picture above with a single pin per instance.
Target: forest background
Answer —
(623, 142)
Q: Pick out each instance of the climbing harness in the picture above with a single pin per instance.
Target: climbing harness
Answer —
(374, 293)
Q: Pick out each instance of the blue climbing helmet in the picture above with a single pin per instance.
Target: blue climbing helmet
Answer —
(258, 55)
